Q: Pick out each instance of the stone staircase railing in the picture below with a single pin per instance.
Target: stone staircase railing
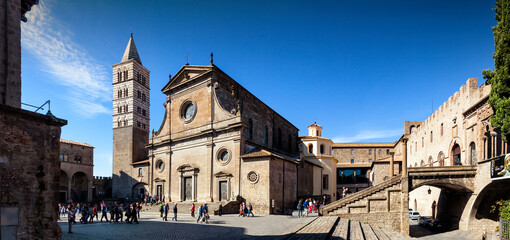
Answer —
(359, 195)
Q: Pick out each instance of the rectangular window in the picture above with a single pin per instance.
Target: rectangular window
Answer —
(61, 157)
(325, 181)
(143, 112)
(441, 130)
(66, 157)
(139, 110)
(352, 161)
(369, 151)
(369, 160)
(387, 151)
(431, 137)
(352, 151)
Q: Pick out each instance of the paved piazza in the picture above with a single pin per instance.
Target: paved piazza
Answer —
(225, 227)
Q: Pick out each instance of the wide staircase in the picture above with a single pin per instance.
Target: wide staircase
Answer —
(359, 199)
(333, 227)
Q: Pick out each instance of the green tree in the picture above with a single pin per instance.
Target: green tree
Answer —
(499, 78)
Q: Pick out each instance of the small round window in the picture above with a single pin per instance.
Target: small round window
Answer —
(160, 165)
(188, 110)
(224, 156)
(253, 177)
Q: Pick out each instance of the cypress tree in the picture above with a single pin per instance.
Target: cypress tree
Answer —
(499, 78)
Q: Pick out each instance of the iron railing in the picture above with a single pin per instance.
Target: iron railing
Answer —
(504, 229)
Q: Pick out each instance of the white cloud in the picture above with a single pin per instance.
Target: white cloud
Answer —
(367, 135)
(87, 82)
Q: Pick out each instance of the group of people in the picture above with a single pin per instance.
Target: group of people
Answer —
(203, 212)
(88, 212)
(164, 208)
(245, 211)
(309, 205)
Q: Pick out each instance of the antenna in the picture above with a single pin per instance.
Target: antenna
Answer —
(187, 59)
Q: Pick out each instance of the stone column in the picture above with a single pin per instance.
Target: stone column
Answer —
(69, 199)
(404, 156)
(392, 159)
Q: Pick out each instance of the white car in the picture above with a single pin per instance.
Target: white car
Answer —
(414, 215)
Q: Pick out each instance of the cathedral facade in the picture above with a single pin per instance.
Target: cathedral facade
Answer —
(217, 142)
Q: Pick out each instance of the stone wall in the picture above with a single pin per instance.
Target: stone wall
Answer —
(361, 153)
(10, 53)
(305, 179)
(29, 172)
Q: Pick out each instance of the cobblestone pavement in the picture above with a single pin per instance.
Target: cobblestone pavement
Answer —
(420, 232)
(225, 227)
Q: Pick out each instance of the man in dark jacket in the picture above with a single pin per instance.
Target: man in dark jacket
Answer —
(175, 212)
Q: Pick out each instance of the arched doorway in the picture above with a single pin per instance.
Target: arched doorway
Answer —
(456, 160)
(139, 190)
(63, 187)
(79, 187)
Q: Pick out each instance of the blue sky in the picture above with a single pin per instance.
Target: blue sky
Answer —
(358, 68)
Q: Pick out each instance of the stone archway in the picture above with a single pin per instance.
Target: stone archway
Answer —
(139, 190)
(79, 187)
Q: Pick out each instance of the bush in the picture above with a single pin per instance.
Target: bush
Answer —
(503, 206)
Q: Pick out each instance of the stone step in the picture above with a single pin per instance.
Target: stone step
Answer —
(380, 233)
(318, 229)
(368, 232)
(341, 231)
(355, 231)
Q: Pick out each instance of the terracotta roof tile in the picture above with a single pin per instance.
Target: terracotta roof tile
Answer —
(75, 143)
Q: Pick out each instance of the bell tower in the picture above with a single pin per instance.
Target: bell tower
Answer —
(131, 117)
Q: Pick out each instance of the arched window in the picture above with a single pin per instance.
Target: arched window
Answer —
(127, 92)
(441, 129)
(440, 159)
(77, 158)
(125, 122)
(322, 148)
(379, 152)
(125, 75)
(472, 154)
(387, 151)
(118, 123)
(310, 148)
(140, 172)
(456, 155)
(119, 77)
(250, 129)
(265, 136)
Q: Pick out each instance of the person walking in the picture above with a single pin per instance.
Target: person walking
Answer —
(175, 212)
(192, 210)
(134, 214)
(139, 209)
(200, 213)
(161, 209)
(220, 210)
(70, 218)
(206, 213)
(299, 209)
(104, 212)
(165, 209)
(305, 206)
(240, 210)
(250, 210)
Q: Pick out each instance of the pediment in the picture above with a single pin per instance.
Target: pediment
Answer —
(223, 174)
(185, 74)
(188, 167)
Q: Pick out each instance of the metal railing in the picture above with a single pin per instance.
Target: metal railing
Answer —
(504, 229)
(40, 107)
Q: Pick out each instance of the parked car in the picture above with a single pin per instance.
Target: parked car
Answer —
(424, 221)
(414, 215)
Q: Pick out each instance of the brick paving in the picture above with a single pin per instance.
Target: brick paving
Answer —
(225, 227)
